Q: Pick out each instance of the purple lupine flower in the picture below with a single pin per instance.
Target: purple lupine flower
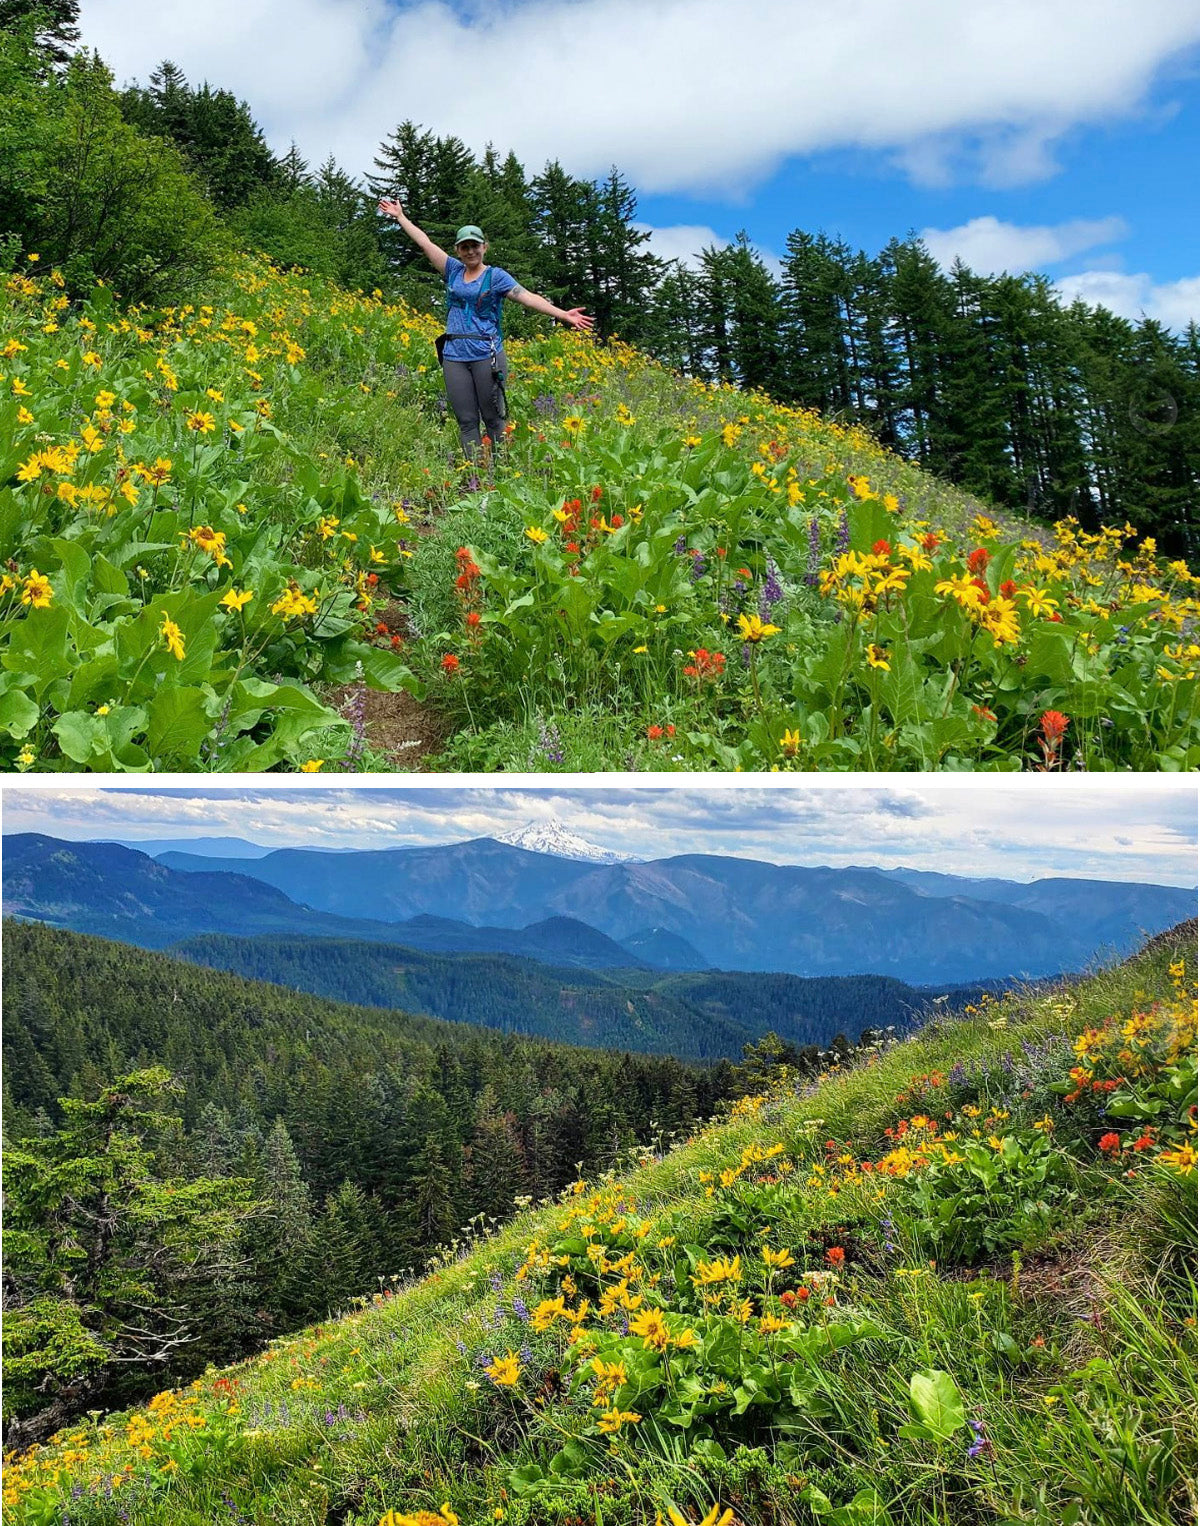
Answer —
(472, 483)
(814, 553)
(544, 403)
(680, 546)
(842, 544)
(498, 1318)
(356, 713)
(624, 1324)
(772, 589)
(958, 1074)
(889, 1229)
(981, 1442)
(483, 1360)
(496, 1281)
(698, 566)
(551, 748)
(745, 654)
(521, 1310)
(526, 1355)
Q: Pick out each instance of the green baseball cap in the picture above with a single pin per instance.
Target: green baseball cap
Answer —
(469, 231)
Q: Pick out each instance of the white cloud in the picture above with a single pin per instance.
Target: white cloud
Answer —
(1174, 303)
(684, 95)
(684, 241)
(989, 246)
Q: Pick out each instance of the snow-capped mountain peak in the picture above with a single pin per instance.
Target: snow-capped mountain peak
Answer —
(554, 838)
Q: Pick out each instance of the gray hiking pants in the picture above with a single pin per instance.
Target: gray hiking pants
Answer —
(476, 392)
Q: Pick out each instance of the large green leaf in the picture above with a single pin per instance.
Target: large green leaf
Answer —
(936, 1402)
(178, 721)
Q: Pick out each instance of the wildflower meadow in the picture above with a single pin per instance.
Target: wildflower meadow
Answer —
(951, 1281)
(224, 522)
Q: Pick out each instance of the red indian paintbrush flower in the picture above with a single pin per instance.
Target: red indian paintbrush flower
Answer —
(1054, 724)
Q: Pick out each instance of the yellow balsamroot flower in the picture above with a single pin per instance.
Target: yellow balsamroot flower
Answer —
(609, 1377)
(1182, 1159)
(612, 1420)
(771, 1324)
(201, 423)
(157, 474)
(172, 637)
(789, 743)
(1037, 601)
(547, 1312)
(36, 590)
(206, 539)
(962, 590)
(292, 604)
(504, 1371)
(715, 1517)
(237, 599)
(877, 657)
(536, 534)
(720, 1270)
(999, 619)
(652, 1327)
(914, 556)
(752, 629)
(313, 766)
(777, 1258)
(444, 1517)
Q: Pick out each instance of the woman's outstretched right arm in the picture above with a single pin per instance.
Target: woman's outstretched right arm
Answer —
(436, 257)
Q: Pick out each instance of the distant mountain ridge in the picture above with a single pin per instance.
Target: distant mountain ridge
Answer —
(746, 914)
(733, 913)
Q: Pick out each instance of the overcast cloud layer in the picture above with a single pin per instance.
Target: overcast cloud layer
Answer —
(1022, 832)
(683, 95)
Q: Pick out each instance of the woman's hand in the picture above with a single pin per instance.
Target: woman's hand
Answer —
(391, 209)
(578, 319)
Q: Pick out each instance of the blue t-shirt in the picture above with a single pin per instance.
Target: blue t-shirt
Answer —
(472, 314)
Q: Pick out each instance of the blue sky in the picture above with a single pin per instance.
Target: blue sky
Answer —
(1051, 134)
(1021, 829)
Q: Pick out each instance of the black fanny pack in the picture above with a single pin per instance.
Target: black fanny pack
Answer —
(443, 340)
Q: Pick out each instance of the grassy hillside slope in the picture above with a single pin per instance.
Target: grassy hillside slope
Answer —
(239, 535)
(953, 1285)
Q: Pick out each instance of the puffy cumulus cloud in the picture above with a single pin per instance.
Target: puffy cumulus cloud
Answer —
(685, 241)
(1015, 831)
(684, 95)
(1174, 303)
(682, 242)
(989, 246)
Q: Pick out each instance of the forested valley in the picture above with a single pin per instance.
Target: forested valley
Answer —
(234, 1159)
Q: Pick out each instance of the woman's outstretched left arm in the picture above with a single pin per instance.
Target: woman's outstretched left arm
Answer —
(575, 316)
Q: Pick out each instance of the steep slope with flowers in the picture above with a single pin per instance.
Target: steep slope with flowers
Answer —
(223, 523)
(954, 1284)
